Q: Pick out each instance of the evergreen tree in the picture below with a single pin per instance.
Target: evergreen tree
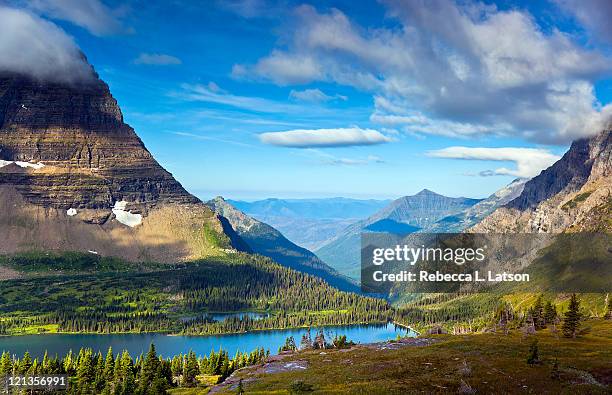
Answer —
(85, 373)
(68, 364)
(109, 366)
(534, 355)
(148, 374)
(571, 322)
(6, 364)
(306, 342)
(538, 314)
(289, 345)
(45, 363)
(99, 372)
(159, 384)
(117, 375)
(25, 363)
(191, 370)
(177, 365)
(150, 367)
(550, 312)
(126, 373)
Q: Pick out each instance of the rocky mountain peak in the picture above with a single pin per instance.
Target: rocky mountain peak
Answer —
(587, 159)
(87, 157)
(426, 192)
(574, 194)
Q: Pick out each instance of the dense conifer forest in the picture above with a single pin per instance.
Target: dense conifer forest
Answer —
(91, 372)
(177, 299)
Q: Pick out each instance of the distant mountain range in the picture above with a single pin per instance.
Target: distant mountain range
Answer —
(471, 216)
(310, 223)
(263, 239)
(404, 215)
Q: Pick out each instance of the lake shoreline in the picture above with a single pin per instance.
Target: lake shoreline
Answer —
(135, 343)
(207, 334)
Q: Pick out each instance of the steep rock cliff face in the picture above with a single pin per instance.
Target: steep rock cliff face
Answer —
(91, 157)
(75, 177)
(574, 194)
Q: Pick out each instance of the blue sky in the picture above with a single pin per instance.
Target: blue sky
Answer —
(253, 99)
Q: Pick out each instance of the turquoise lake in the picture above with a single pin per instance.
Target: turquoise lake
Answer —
(171, 345)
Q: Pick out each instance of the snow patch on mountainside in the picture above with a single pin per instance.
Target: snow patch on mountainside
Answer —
(36, 166)
(125, 217)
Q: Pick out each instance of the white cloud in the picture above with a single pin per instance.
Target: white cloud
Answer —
(211, 93)
(38, 48)
(212, 138)
(157, 59)
(343, 137)
(328, 159)
(250, 8)
(595, 15)
(282, 69)
(313, 96)
(474, 68)
(529, 161)
(91, 15)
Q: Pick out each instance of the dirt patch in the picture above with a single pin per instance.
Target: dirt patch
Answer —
(7, 273)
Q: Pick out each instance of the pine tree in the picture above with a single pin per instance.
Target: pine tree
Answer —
(25, 363)
(149, 369)
(126, 372)
(538, 314)
(68, 364)
(109, 366)
(6, 364)
(550, 312)
(534, 355)
(85, 374)
(571, 322)
(45, 363)
(99, 372)
(177, 365)
(191, 370)
(306, 342)
(159, 384)
(117, 374)
(289, 345)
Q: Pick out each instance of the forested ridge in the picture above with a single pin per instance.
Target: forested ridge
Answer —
(158, 301)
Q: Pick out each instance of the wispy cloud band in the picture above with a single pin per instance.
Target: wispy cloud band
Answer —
(529, 161)
(319, 138)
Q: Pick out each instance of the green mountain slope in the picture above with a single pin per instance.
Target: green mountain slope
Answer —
(263, 239)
